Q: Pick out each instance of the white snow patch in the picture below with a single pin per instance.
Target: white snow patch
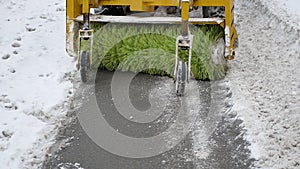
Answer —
(34, 84)
(294, 6)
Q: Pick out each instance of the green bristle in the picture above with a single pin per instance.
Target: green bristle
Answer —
(151, 49)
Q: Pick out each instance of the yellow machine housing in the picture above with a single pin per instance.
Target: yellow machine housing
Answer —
(75, 8)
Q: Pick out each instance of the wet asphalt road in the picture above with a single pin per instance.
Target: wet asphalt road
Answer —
(215, 140)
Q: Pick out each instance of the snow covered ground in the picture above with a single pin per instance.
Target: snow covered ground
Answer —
(34, 79)
(265, 80)
(292, 7)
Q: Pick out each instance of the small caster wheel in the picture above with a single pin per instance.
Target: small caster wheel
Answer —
(84, 66)
(181, 78)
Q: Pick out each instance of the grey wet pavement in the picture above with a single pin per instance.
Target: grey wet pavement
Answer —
(224, 146)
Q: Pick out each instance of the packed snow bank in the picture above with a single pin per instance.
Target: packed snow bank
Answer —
(34, 79)
(265, 80)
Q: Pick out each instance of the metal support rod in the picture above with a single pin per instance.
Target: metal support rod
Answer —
(191, 38)
(86, 21)
(185, 28)
(176, 58)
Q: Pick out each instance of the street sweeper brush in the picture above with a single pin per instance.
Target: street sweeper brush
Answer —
(170, 43)
(150, 49)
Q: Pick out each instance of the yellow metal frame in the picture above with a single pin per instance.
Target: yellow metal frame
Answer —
(76, 8)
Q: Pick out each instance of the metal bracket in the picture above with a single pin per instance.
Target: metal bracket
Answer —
(86, 35)
(184, 43)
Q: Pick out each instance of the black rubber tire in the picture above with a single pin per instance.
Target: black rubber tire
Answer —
(181, 78)
(84, 66)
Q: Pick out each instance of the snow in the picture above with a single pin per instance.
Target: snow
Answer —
(265, 80)
(293, 6)
(34, 79)
(69, 165)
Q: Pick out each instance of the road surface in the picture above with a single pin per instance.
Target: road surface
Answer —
(214, 141)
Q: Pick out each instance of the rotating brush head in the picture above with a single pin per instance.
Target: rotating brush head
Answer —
(150, 48)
